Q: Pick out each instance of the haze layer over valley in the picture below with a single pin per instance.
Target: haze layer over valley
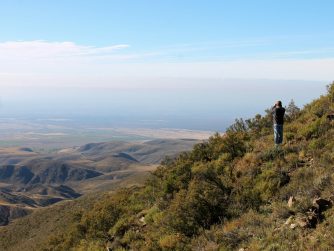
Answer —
(205, 104)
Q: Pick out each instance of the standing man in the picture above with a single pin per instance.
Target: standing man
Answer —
(278, 116)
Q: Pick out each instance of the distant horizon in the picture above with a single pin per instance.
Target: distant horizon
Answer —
(212, 108)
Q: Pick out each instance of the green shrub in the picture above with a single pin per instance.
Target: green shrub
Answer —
(269, 182)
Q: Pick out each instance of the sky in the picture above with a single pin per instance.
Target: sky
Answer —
(193, 64)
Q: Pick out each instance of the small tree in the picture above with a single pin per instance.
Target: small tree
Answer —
(330, 91)
(239, 125)
(292, 111)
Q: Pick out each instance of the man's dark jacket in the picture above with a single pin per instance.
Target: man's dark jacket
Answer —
(278, 115)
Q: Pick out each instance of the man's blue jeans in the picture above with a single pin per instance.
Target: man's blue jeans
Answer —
(278, 134)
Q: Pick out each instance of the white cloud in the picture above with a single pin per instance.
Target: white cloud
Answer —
(38, 49)
(42, 63)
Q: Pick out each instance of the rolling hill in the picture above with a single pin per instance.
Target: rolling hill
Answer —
(30, 180)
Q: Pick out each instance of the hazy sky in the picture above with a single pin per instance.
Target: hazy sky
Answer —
(162, 60)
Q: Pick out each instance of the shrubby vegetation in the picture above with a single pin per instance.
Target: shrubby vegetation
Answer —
(228, 193)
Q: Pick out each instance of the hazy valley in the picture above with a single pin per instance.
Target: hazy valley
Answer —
(52, 134)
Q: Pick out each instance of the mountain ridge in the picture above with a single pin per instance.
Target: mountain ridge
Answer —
(236, 191)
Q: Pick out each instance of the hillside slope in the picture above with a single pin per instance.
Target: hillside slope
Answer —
(235, 191)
